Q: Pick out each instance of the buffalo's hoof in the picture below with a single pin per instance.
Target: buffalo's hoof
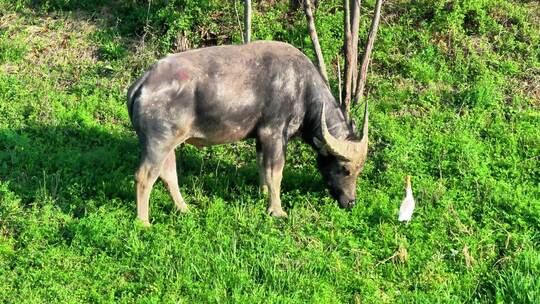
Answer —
(263, 189)
(275, 212)
(144, 224)
(183, 209)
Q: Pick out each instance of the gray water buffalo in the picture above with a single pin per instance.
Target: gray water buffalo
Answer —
(269, 91)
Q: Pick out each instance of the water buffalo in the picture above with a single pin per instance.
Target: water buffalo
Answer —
(269, 91)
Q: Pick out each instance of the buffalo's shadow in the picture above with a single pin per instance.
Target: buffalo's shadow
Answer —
(75, 166)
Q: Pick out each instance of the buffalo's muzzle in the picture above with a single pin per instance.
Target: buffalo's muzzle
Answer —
(346, 203)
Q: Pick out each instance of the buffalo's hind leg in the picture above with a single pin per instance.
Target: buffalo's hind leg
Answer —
(170, 178)
(154, 154)
(263, 188)
(156, 161)
(145, 178)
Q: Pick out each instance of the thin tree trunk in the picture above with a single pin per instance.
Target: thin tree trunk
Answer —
(347, 46)
(238, 19)
(339, 80)
(315, 39)
(367, 52)
(355, 25)
(247, 21)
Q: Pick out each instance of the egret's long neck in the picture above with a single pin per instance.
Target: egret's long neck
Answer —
(408, 188)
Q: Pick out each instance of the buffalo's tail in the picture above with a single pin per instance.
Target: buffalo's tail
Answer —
(133, 93)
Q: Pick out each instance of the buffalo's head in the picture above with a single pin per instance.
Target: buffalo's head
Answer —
(342, 162)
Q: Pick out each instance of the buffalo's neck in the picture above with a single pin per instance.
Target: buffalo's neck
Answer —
(335, 121)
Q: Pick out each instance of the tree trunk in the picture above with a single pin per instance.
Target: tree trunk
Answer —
(347, 46)
(355, 26)
(315, 39)
(247, 21)
(367, 51)
(340, 93)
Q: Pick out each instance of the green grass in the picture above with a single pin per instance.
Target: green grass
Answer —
(455, 102)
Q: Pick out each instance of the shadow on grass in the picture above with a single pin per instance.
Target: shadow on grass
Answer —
(76, 166)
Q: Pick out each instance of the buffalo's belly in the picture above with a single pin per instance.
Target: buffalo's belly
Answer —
(216, 133)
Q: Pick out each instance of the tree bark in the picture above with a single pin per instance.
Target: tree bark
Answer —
(247, 21)
(347, 47)
(367, 51)
(339, 81)
(355, 26)
(315, 39)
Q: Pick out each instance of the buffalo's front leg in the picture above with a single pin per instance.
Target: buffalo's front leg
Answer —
(273, 152)
(273, 175)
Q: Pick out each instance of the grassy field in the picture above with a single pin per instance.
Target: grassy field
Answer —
(454, 93)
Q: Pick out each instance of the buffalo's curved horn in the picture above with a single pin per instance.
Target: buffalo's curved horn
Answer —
(342, 149)
(355, 151)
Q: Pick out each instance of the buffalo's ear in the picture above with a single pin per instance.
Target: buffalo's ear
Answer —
(320, 146)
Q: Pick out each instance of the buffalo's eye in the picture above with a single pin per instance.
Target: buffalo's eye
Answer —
(346, 171)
